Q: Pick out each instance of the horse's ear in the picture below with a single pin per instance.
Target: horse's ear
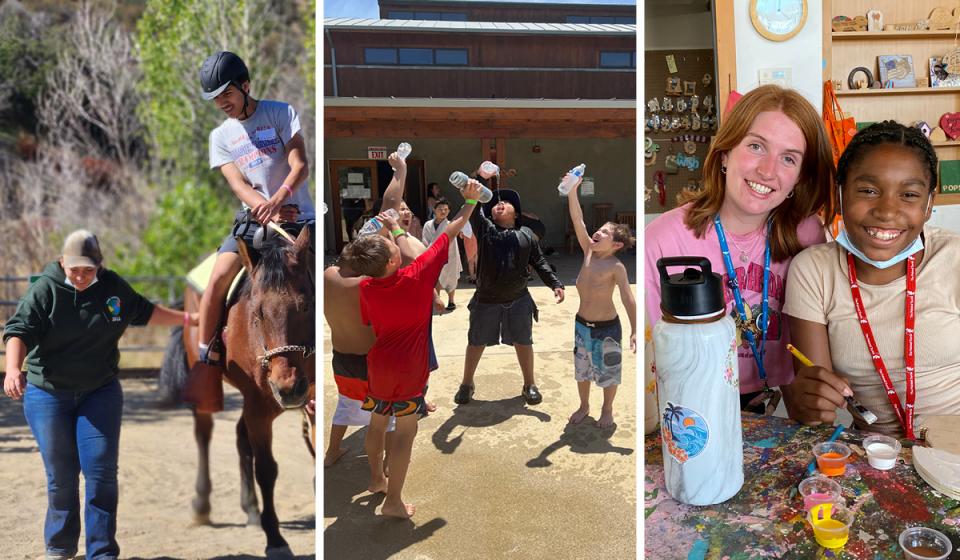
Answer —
(245, 256)
(302, 243)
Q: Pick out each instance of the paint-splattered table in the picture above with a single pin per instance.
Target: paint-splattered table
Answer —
(764, 521)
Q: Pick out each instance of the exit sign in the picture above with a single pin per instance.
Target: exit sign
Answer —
(376, 152)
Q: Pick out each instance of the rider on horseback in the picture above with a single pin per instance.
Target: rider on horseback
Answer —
(261, 153)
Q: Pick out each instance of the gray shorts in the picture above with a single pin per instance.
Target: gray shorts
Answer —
(502, 323)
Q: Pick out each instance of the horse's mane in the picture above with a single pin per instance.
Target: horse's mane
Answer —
(273, 267)
(272, 271)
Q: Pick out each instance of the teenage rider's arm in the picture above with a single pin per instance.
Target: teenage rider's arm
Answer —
(240, 187)
(299, 171)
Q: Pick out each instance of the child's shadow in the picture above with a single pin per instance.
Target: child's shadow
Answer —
(359, 532)
(584, 437)
(480, 414)
(347, 477)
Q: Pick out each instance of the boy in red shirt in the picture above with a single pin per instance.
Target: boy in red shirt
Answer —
(397, 304)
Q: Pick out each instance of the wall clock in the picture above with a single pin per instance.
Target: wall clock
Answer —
(778, 20)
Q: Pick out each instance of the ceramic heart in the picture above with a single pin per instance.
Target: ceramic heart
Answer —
(937, 135)
(950, 123)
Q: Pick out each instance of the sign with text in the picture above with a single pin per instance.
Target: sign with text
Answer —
(376, 152)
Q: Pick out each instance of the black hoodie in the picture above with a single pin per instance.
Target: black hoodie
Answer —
(71, 337)
(502, 258)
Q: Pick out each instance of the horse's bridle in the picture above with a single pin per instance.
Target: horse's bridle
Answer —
(267, 354)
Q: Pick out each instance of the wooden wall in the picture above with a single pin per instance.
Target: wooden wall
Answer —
(499, 11)
(560, 55)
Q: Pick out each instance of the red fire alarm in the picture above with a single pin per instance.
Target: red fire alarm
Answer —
(536, 148)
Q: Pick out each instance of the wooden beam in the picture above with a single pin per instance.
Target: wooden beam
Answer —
(429, 122)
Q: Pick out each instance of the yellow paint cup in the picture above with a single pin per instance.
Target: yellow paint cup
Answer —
(831, 524)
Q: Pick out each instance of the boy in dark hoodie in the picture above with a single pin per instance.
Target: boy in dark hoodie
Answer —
(68, 326)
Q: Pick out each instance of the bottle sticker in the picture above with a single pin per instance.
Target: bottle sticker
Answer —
(729, 375)
(684, 431)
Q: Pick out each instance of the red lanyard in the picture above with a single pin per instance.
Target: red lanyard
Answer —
(909, 358)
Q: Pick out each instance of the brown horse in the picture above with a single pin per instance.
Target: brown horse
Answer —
(270, 340)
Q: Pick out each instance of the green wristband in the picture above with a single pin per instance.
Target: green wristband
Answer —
(398, 231)
(470, 200)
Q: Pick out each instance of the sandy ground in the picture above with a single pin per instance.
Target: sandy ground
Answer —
(496, 478)
(157, 472)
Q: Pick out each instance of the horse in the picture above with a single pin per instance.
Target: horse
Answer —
(269, 337)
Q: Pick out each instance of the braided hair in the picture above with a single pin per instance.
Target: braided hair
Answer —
(888, 132)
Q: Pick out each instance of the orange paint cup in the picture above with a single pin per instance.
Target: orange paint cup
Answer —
(831, 457)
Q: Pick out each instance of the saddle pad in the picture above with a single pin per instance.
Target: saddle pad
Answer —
(199, 276)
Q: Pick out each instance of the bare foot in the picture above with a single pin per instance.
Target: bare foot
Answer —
(403, 511)
(431, 406)
(329, 458)
(378, 485)
(579, 415)
(606, 419)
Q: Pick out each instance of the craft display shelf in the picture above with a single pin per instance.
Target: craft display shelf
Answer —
(844, 51)
(888, 35)
(898, 91)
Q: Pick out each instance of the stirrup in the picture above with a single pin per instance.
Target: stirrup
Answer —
(214, 354)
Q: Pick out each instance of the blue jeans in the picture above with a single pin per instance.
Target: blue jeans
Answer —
(78, 432)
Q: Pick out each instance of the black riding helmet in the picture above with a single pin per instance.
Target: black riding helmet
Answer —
(219, 71)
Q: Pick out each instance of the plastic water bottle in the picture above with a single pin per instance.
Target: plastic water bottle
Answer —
(459, 179)
(566, 185)
(373, 225)
(698, 385)
(489, 169)
(403, 150)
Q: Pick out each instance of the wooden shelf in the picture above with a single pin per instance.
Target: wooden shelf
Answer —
(887, 35)
(899, 91)
(945, 199)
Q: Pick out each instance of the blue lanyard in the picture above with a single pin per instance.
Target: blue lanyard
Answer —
(763, 319)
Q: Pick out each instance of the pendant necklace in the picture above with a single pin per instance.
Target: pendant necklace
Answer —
(745, 253)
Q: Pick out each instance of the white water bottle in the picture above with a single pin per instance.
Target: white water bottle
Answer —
(489, 169)
(571, 178)
(698, 385)
(403, 150)
(374, 224)
(459, 179)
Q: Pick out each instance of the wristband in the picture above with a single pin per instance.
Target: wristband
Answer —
(186, 319)
(397, 232)
(470, 201)
(289, 190)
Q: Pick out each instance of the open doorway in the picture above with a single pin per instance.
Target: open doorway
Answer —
(359, 188)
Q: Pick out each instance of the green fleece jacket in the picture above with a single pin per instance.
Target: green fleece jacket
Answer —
(72, 337)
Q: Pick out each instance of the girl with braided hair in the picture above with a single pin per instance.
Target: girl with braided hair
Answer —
(877, 310)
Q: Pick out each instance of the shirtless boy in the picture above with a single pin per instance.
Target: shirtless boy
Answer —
(350, 338)
(396, 302)
(597, 350)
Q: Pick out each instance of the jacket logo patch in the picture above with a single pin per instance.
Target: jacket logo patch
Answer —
(113, 308)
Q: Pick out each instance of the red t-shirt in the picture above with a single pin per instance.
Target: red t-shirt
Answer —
(399, 308)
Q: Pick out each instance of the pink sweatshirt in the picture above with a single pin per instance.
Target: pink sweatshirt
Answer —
(667, 236)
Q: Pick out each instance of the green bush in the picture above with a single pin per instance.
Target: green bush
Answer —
(189, 223)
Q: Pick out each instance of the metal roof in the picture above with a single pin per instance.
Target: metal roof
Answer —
(480, 103)
(620, 6)
(480, 27)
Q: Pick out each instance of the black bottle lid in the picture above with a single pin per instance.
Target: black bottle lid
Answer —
(695, 292)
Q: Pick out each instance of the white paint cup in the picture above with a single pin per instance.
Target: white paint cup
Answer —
(882, 451)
